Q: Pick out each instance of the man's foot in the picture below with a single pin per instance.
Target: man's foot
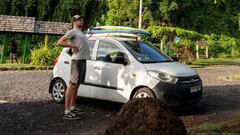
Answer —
(77, 111)
(70, 116)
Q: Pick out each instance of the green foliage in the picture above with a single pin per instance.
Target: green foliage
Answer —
(122, 12)
(67, 8)
(16, 6)
(5, 7)
(56, 10)
(219, 45)
(44, 9)
(171, 33)
(45, 56)
(217, 21)
(205, 16)
(223, 46)
(216, 128)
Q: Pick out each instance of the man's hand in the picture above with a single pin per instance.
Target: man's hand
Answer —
(74, 49)
(63, 42)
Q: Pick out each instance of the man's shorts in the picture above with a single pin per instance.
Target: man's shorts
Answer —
(78, 71)
(13, 55)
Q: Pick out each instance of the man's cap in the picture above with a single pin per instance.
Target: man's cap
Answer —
(76, 17)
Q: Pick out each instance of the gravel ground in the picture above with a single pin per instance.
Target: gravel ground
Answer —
(27, 108)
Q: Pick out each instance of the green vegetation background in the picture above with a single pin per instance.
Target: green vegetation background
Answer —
(216, 21)
(205, 16)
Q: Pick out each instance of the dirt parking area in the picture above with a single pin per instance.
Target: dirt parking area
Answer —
(27, 108)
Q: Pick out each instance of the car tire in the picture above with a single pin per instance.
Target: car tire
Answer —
(58, 88)
(144, 93)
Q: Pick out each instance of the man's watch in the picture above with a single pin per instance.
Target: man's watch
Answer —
(68, 43)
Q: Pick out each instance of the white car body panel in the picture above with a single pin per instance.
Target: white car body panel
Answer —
(172, 68)
(119, 79)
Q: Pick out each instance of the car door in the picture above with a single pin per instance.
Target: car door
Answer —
(84, 90)
(109, 77)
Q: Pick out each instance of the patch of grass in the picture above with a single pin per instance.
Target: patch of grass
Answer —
(229, 133)
(216, 128)
(210, 133)
(235, 76)
(230, 76)
(25, 71)
(216, 61)
(15, 65)
(208, 127)
(195, 66)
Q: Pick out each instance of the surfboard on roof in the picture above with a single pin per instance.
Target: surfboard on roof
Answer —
(118, 31)
(114, 35)
(116, 28)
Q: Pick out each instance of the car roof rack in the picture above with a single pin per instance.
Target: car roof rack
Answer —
(116, 31)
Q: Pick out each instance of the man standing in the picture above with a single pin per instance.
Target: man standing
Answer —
(78, 42)
(13, 51)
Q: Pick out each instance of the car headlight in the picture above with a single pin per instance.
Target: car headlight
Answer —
(163, 77)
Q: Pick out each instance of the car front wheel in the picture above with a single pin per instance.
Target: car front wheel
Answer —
(144, 93)
(58, 90)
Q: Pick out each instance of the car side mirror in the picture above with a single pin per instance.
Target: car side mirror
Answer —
(125, 61)
(175, 58)
(120, 59)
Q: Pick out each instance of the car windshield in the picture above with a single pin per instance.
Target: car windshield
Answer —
(145, 53)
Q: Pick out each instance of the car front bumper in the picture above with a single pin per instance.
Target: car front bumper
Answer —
(181, 93)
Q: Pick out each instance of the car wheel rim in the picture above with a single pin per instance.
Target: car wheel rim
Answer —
(143, 95)
(58, 91)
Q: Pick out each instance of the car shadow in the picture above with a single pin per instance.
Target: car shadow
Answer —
(45, 117)
(99, 104)
(215, 99)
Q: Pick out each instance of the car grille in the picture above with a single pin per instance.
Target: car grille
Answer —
(189, 80)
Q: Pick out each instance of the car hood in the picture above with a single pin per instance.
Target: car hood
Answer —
(172, 68)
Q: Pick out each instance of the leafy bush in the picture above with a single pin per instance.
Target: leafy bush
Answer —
(171, 33)
(45, 56)
(220, 46)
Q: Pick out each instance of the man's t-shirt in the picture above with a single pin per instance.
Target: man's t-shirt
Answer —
(80, 40)
(13, 48)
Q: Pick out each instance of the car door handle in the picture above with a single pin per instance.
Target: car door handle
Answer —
(96, 68)
(66, 62)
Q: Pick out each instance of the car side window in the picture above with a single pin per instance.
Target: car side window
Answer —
(91, 44)
(108, 52)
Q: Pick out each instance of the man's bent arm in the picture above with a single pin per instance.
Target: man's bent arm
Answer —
(63, 42)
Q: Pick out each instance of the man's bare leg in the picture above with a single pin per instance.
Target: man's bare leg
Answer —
(16, 60)
(68, 96)
(74, 96)
(73, 107)
(68, 114)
